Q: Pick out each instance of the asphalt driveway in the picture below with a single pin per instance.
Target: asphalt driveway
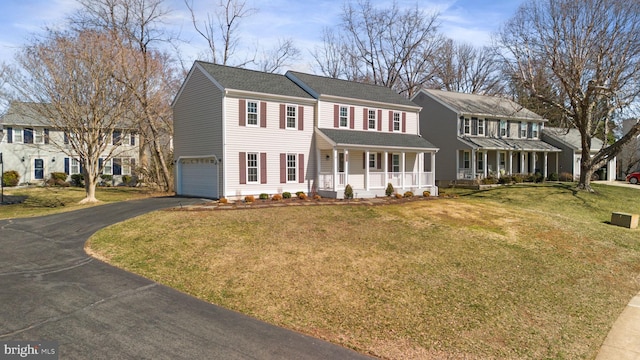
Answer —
(50, 289)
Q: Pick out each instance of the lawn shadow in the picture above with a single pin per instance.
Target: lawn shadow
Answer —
(13, 199)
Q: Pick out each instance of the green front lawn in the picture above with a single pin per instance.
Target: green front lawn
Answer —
(520, 272)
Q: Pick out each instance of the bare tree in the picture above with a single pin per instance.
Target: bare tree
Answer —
(71, 79)
(462, 67)
(275, 59)
(137, 26)
(591, 49)
(219, 30)
(385, 46)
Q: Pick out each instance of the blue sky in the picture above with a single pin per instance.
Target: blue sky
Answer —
(471, 21)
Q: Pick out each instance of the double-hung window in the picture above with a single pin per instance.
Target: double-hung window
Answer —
(107, 168)
(38, 136)
(466, 160)
(28, 136)
(534, 130)
(373, 160)
(523, 129)
(17, 136)
(252, 113)
(372, 120)
(252, 167)
(503, 128)
(291, 167)
(75, 166)
(291, 117)
(480, 126)
(344, 117)
(467, 126)
(396, 121)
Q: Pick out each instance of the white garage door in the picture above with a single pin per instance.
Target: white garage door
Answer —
(199, 177)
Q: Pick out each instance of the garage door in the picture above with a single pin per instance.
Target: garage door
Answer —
(199, 177)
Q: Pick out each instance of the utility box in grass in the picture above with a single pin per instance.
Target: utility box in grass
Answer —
(625, 220)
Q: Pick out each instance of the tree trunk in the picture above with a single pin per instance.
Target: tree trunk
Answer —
(90, 182)
(586, 170)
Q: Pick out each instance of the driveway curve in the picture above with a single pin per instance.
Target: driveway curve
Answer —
(50, 289)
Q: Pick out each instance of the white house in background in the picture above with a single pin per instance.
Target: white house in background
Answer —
(569, 141)
(241, 132)
(35, 149)
(481, 136)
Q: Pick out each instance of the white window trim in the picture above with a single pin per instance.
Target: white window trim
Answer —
(523, 129)
(466, 159)
(534, 130)
(346, 116)
(393, 165)
(373, 157)
(295, 168)
(107, 164)
(503, 126)
(74, 163)
(397, 121)
(466, 126)
(481, 123)
(38, 132)
(246, 120)
(18, 136)
(369, 119)
(286, 117)
(257, 167)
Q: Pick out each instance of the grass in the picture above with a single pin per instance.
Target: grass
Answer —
(520, 272)
(49, 200)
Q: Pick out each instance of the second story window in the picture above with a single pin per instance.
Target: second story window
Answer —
(534, 130)
(523, 129)
(503, 128)
(117, 137)
(291, 117)
(252, 113)
(344, 118)
(467, 126)
(396, 121)
(372, 120)
(481, 127)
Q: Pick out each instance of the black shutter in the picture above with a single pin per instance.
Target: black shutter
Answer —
(9, 135)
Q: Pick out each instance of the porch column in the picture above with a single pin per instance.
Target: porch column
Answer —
(510, 153)
(366, 170)
(498, 163)
(334, 169)
(420, 156)
(457, 164)
(544, 171)
(403, 169)
(473, 164)
(346, 167)
(318, 169)
(521, 162)
(386, 168)
(485, 162)
(557, 160)
(433, 169)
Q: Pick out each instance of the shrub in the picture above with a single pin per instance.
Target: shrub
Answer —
(105, 180)
(565, 176)
(489, 180)
(505, 179)
(223, 201)
(426, 193)
(538, 177)
(517, 178)
(317, 197)
(276, 197)
(263, 196)
(126, 179)
(408, 194)
(398, 196)
(552, 177)
(302, 196)
(286, 195)
(10, 178)
(59, 176)
(249, 199)
(77, 180)
(389, 190)
(348, 192)
(299, 192)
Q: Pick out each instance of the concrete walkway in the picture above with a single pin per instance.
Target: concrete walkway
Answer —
(623, 341)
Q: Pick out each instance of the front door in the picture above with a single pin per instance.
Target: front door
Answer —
(38, 169)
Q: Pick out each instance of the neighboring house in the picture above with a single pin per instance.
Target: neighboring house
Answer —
(481, 136)
(35, 149)
(569, 141)
(629, 157)
(241, 132)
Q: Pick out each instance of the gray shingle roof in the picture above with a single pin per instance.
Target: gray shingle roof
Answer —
(484, 105)
(251, 80)
(321, 85)
(377, 139)
(510, 144)
(23, 114)
(571, 138)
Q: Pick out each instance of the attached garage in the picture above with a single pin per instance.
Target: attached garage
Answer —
(198, 177)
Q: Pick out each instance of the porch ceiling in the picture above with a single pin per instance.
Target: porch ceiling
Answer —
(487, 143)
(375, 139)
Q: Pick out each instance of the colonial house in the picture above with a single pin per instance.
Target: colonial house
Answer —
(569, 141)
(241, 132)
(481, 136)
(34, 148)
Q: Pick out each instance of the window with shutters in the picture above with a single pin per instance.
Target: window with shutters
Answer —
(523, 129)
(467, 126)
(373, 160)
(372, 120)
(291, 167)
(344, 117)
(75, 166)
(481, 127)
(252, 113)
(503, 128)
(396, 121)
(252, 167)
(292, 118)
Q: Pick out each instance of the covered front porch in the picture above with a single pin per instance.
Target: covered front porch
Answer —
(362, 161)
(483, 160)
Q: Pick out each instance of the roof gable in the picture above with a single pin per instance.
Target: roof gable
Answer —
(320, 85)
(233, 78)
(483, 105)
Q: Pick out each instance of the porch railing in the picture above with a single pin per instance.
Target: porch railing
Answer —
(376, 180)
